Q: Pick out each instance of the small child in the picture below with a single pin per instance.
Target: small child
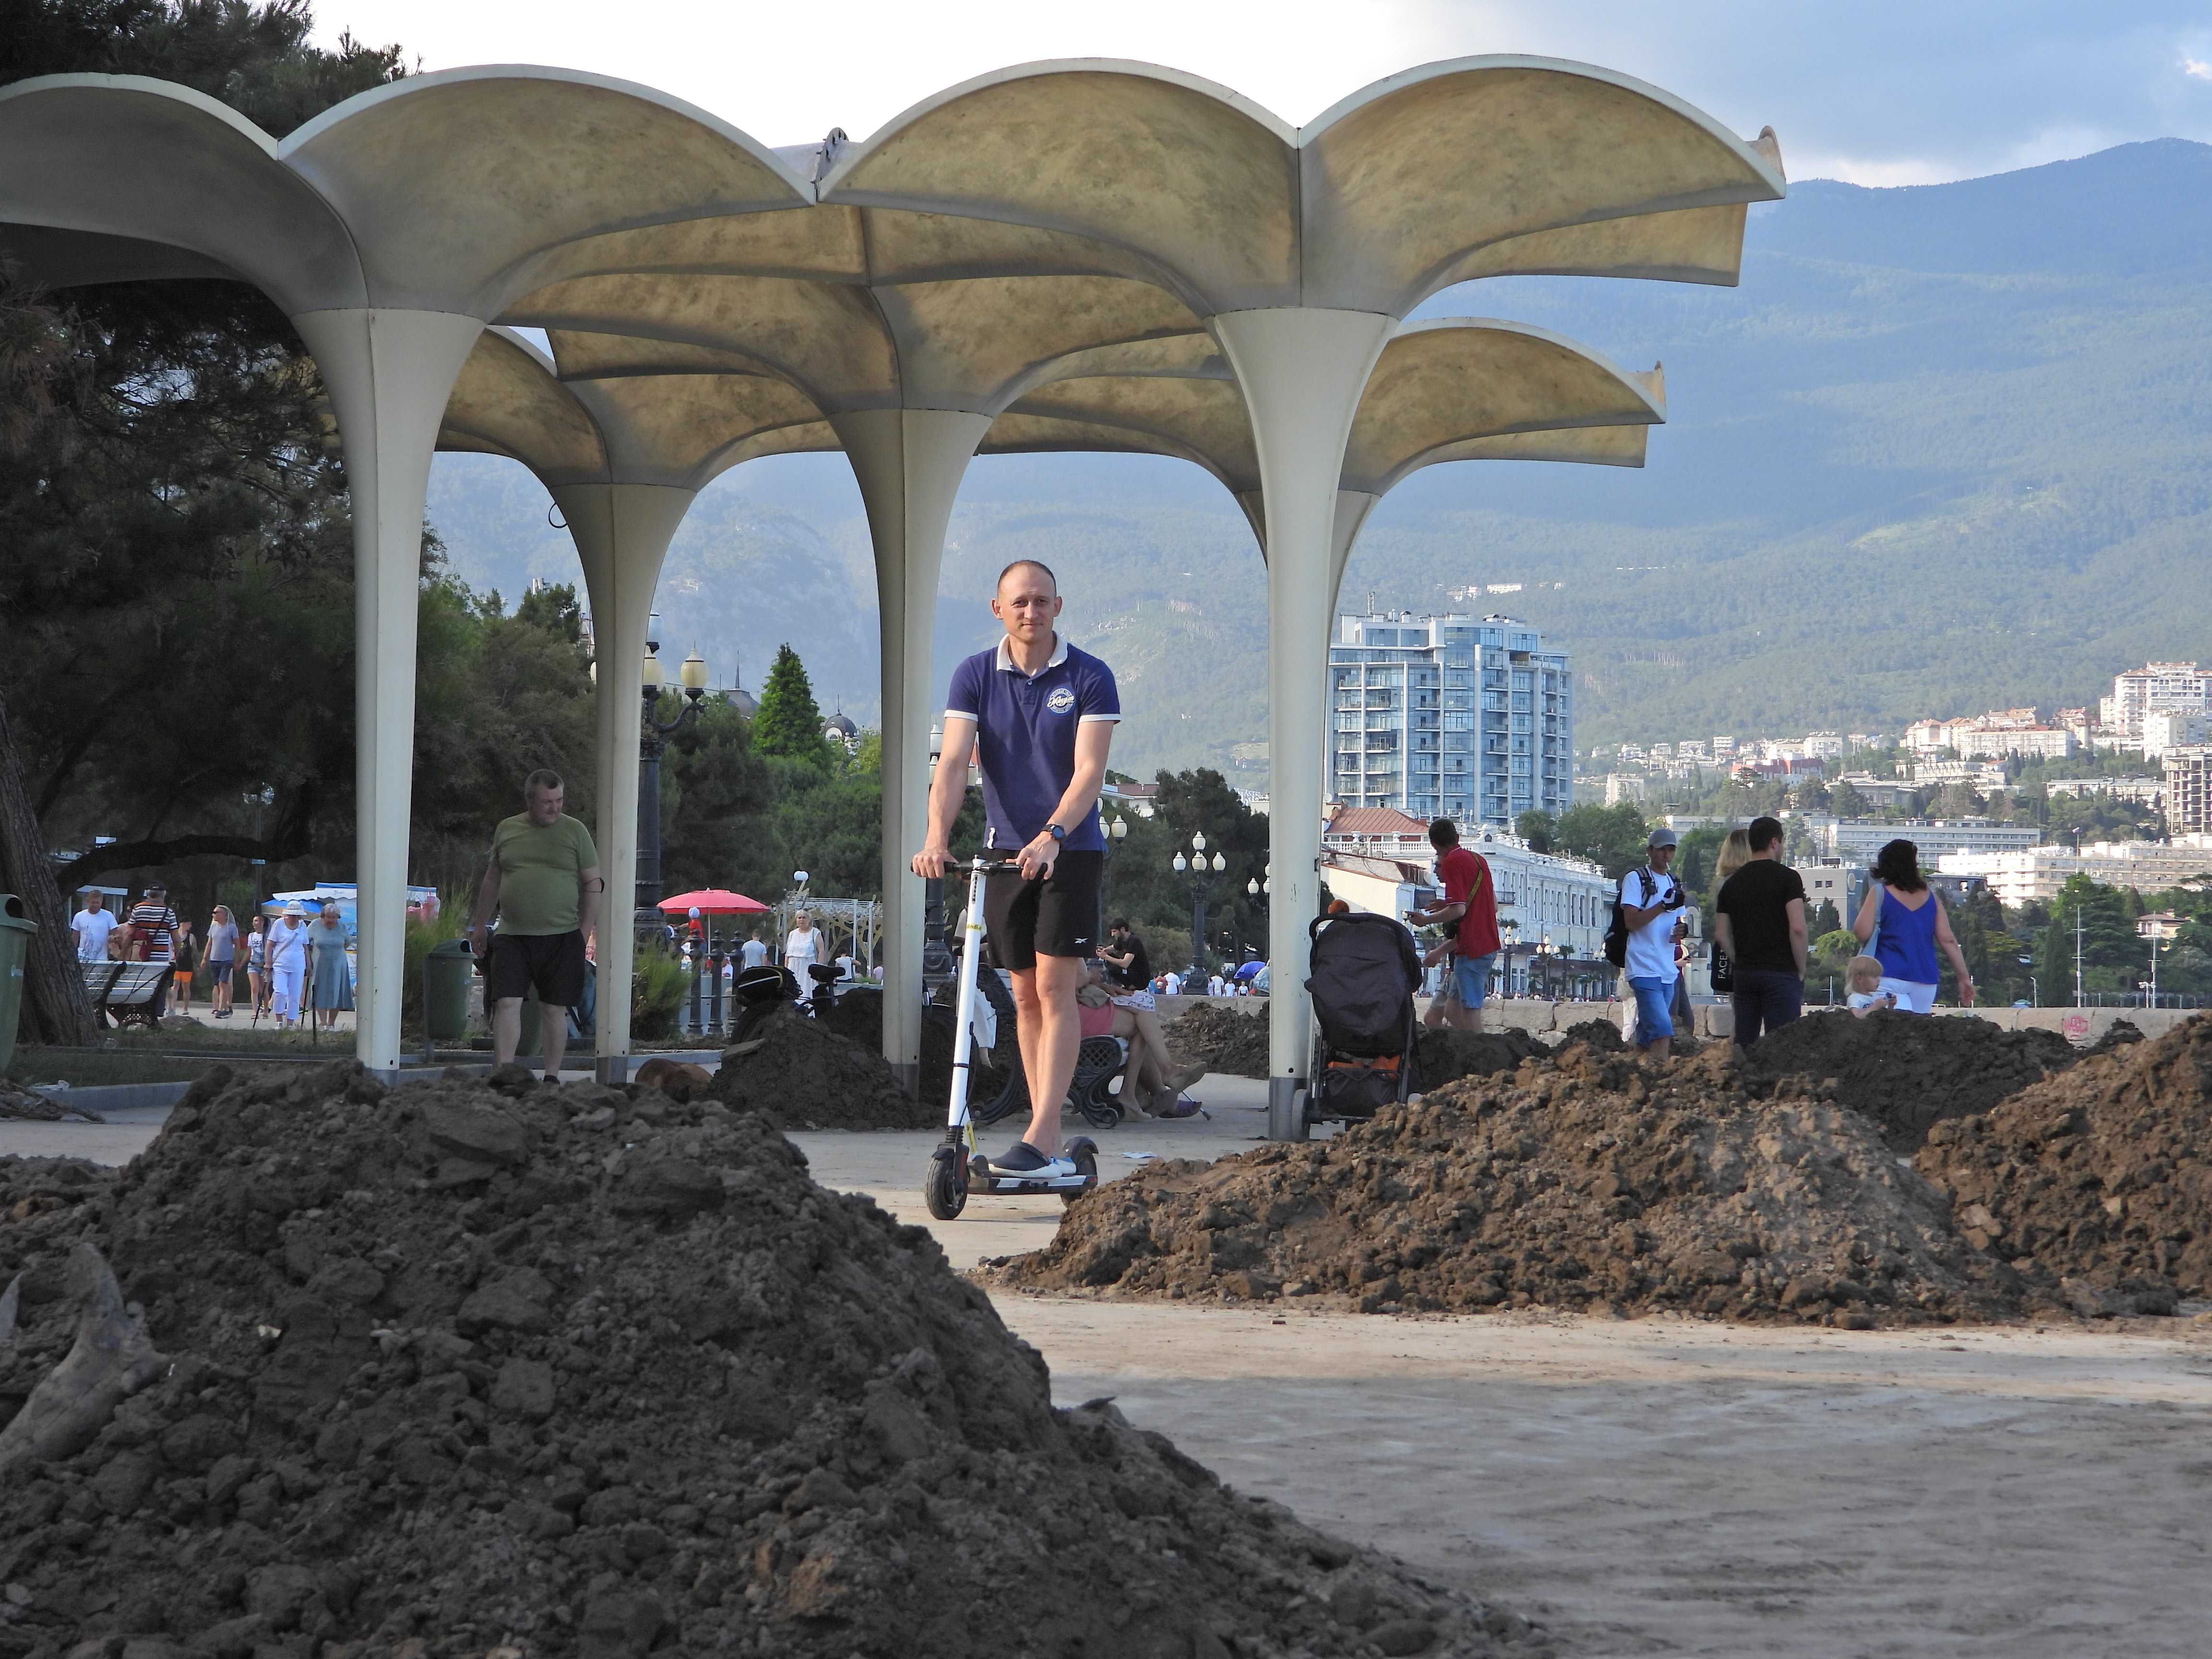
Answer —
(1862, 977)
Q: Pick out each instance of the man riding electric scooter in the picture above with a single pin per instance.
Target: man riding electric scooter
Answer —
(1040, 714)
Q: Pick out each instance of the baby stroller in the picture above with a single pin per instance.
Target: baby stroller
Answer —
(1365, 971)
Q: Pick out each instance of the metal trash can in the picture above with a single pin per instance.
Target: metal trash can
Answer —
(446, 974)
(15, 931)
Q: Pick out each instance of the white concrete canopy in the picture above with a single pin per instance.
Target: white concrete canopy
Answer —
(1040, 244)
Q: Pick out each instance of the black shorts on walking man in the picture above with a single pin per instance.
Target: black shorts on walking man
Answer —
(1039, 715)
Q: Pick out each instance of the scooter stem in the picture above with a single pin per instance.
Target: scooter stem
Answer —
(971, 941)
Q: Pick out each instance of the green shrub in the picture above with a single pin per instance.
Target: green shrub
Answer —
(659, 984)
(420, 936)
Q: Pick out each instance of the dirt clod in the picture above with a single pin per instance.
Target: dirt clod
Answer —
(1445, 1055)
(806, 1076)
(1580, 1181)
(1910, 1072)
(588, 1371)
(1233, 1044)
(2095, 1184)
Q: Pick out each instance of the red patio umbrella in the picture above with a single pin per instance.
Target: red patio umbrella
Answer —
(714, 901)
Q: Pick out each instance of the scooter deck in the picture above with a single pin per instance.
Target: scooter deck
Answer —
(981, 1180)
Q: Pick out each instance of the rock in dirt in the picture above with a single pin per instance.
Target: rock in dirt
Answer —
(808, 1077)
(1444, 1055)
(634, 1385)
(29, 1103)
(1233, 1044)
(2095, 1183)
(1582, 1181)
(1910, 1072)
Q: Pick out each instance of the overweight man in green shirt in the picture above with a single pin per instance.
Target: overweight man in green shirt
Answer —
(543, 884)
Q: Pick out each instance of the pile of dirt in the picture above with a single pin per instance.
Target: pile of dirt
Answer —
(582, 1371)
(1582, 1181)
(2095, 1184)
(805, 1076)
(1908, 1071)
(1229, 1042)
(1602, 1035)
(1444, 1055)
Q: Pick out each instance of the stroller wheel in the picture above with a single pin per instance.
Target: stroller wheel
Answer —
(1084, 1157)
(942, 1189)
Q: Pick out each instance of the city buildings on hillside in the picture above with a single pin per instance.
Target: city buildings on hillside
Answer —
(2188, 783)
(1860, 839)
(2035, 874)
(2148, 793)
(1981, 775)
(1999, 734)
(2164, 729)
(2156, 687)
(1552, 909)
(1453, 716)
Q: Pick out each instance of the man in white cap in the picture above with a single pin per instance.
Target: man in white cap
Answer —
(288, 963)
(1651, 902)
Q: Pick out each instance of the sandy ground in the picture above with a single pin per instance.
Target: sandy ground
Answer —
(1652, 1486)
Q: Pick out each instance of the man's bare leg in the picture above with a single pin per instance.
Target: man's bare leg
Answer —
(506, 1029)
(1045, 1018)
(553, 1029)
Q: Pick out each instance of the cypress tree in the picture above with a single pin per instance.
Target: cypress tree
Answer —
(789, 722)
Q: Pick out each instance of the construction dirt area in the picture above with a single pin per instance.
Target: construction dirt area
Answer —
(1896, 1339)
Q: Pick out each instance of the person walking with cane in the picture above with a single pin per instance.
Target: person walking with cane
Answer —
(1040, 715)
(287, 959)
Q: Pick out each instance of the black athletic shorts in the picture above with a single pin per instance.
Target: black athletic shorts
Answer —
(1057, 915)
(554, 962)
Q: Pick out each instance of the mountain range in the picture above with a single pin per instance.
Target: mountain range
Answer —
(1947, 447)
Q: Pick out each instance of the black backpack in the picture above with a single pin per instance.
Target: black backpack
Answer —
(1616, 930)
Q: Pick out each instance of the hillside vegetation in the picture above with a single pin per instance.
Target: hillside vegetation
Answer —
(1947, 447)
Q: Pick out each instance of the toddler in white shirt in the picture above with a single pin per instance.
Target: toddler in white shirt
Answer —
(1862, 977)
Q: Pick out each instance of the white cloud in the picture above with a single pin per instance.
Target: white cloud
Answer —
(2196, 69)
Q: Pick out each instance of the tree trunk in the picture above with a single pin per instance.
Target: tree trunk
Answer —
(55, 1009)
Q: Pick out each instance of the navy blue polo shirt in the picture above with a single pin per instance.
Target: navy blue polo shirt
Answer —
(1025, 736)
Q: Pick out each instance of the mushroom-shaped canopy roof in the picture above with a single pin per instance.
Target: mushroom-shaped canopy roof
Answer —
(1408, 185)
(1465, 388)
(435, 192)
(681, 425)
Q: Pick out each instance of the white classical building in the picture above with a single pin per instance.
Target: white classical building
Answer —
(2037, 873)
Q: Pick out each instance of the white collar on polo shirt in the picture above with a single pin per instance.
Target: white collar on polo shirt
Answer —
(1058, 655)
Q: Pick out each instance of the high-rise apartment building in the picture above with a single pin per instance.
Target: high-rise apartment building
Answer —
(1449, 716)
(2188, 791)
(2157, 686)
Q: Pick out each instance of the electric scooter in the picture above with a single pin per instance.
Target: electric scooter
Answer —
(955, 1166)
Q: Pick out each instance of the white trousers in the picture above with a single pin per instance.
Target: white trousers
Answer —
(288, 980)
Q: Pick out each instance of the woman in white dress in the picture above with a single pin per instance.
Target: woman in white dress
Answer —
(802, 949)
(287, 964)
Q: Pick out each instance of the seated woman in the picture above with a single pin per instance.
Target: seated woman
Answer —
(1151, 1080)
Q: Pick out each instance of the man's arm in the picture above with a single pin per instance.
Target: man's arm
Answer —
(1799, 946)
(487, 905)
(590, 884)
(1724, 932)
(946, 790)
(1637, 918)
(1093, 738)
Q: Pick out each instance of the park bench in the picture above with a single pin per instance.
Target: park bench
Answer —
(131, 991)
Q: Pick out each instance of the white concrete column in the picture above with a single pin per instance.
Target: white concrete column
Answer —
(389, 373)
(1301, 371)
(909, 463)
(1352, 507)
(622, 534)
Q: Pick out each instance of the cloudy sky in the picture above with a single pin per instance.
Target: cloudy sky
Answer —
(1879, 92)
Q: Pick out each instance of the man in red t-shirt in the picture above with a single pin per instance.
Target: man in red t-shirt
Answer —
(1468, 912)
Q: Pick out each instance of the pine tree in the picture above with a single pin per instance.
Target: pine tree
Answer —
(789, 722)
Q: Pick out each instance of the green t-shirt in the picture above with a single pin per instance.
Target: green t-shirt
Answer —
(538, 868)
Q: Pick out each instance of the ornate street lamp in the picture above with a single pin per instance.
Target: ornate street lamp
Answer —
(654, 733)
(1195, 869)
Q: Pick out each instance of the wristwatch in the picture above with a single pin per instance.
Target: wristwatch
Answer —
(1056, 832)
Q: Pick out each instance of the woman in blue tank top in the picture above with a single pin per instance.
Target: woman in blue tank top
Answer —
(1903, 924)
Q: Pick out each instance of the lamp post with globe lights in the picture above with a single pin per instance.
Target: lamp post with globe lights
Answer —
(1201, 877)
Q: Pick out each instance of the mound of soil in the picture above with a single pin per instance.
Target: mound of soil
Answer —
(1602, 1035)
(584, 1371)
(1445, 1055)
(1909, 1072)
(805, 1076)
(2095, 1184)
(1582, 1180)
(1229, 1042)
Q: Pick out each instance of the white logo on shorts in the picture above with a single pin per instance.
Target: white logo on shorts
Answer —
(1061, 701)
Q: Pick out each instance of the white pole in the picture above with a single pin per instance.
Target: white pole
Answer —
(1301, 371)
(908, 464)
(622, 534)
(390, 374)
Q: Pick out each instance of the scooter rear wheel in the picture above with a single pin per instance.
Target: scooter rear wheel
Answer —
(942, 1189)
(1084, 1157)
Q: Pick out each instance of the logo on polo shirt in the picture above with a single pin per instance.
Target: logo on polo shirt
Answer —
(1062, 702)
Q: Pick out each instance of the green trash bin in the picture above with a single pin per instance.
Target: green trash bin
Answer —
(15, 931)
(446, 974)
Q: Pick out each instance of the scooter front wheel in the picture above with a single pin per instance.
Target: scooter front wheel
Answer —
(1084, 1157)
(942, 1189)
